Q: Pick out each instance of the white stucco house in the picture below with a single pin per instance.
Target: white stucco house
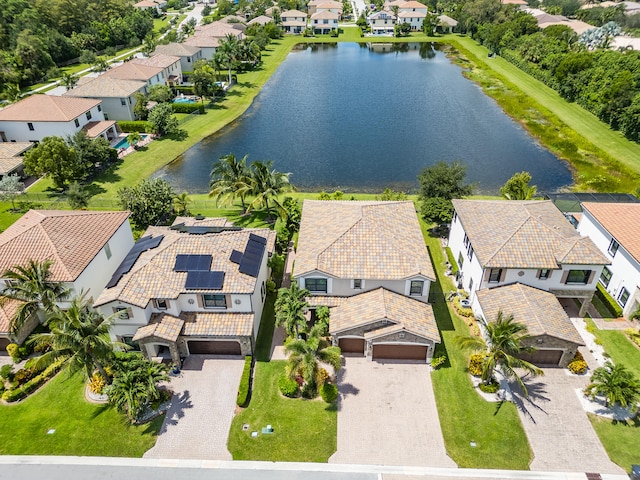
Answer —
(382, 23)
(85, 247)
(413, 13)
(198, 286)
(39, 116)
(151, 75)
(369, 263)
(171, 65)
(293, 21)
(117, 96)
(188, 54)
(496, 243)
(324, 21)
(614, 228)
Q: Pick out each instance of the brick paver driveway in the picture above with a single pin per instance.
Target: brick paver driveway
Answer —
(387, 415)
(559, 432)
(198, 421)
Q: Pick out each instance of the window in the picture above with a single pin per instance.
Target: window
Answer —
(76, 122)
(471, 284)
(123, 312)
(214, 301)
(470, 252)
(30, 125)
(544, 274)
(188, 59)
(88, 115)
(357, 284)
(466, 240)
(316, 284)
(128, 340)
(123, 102)
(99, 108)
(494, 275)
(162, 304)
(460, 260)
(455, 216)
(416, 287)
(605, 277)
(623, 297)
(613, 247)
(578, 276)
(107, 250)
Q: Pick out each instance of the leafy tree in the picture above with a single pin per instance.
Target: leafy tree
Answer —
(430, 23)
(267, 184)
(181, 204)
(391, 195)
(505, 339)
(100, 65)
(160, 93)
(437, 209)
(10, 188)
(33, 287)
(69, 80)
(140, 109)
(443, 181)
(293, 214)
(92, 152)
(162, 120)
(204, 79)
(55, 158)
(78, 196)
(133, 138)
(518, 188)
(306, 357)
(230, 179)
(290, 306)
(148, 201)
(149, 44)
(616, 384)
(11, 92)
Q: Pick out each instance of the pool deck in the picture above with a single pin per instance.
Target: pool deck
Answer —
(123, 152)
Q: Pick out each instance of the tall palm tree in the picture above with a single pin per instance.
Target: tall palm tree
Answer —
(290, 307)
(32, 286)
(267, 184)
(80, 335)
(181, 204)
(12, 92)
(306, 356)
(616, 384)
(68, 80)
(504, 340)
(229, 50)
(230, 179)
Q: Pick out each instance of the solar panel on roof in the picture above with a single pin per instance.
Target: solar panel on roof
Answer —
(142, 245)
(258, 239)
(187, 263)
(236, 256)
(252, 256)
(204, 280)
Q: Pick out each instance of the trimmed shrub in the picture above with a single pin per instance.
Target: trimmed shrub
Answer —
(187, 90)
(439, 360)
(14, 352)
(140, 126)
(462, 311)
(33, 384)
(632, 333)
(329, 392)
(97, 383)
(187, 107)
(6, 372)
(452, 261)
(608, 301)
(244, 388)
(289, 388)
(24, 375)
(489, 387)
(475, 364)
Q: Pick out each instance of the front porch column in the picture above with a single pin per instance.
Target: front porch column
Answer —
(586, 303)
(368, 350)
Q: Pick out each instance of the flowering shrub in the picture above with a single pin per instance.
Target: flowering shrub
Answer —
(577, 365)
(475, 364)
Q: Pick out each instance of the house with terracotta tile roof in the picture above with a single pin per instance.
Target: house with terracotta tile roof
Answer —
(172, 69)
(293, 21)
(324, 21)
(500, 242)
(326, 6)
(11, 161)
(551, 332)
(413, 13)
(347, 250)
(38, 116)
(198, 286)
(151, 75)
(154, 5)
(382, 22)
(117, 96)
(85, 247)
(614, 228)
(188, 54)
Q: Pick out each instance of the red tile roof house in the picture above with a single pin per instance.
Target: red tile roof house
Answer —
(196, 287)
(615, 229)
(86, 247)
(369, 263)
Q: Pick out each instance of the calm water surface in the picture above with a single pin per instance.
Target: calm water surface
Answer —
(360, 118)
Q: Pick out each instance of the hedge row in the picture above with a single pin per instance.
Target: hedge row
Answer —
(245, 383)
(608, 301)
(452, 261)
(187, 107)
(140, 126)
(184, 89)
(33, 384)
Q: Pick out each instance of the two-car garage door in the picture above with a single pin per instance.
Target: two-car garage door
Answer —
(214, 347)
(355, 346)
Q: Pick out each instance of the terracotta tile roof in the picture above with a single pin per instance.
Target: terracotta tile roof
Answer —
(233, 19)
(412, 15)
(329, 4)
(621, 220)
(146, 3)
(540, 311)
(202, 222)
(412, 4)
(292, 13)
(132, 71)
(70, 238)
(203, 41)
(47, 108)
(447, 20)
(9, 164)
(103, 87)
(325, 14)
(217, 324)
(152, 276)
(350, 239)
(161, 325)
(95, 129)
(325, 301)
(8, 308)
(261, 20)
(406, 313)
(159, 60)
(14, 149)
(524, 234)
(177, 49)
(218, 29)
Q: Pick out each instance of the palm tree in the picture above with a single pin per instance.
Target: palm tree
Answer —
(80, 335)
(505, 339)
(616, 384)
(133, 138)
(229, 50)
(267, 184)
(68, 80)
(12, 92)
(306, 356)
(100, 65)
(32, 286)
(181, 204)
(290, 307)
(128, 394)
(230, 179)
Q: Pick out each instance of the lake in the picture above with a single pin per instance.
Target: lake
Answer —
(363, 117)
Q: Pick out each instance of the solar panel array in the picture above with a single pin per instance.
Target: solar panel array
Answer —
(187, 263)
(236, 256)
(203, 229)
(142, 245)
(204, 280)
(252, 256)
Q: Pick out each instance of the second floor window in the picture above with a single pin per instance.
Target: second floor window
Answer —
(605, 277)
(30, 126)
(544, 274)
(162, 304)
(214, 301)
(76, 122)
(88, 115)
(580, 277)
(416, 287)
(123, 312)
(123, 102)
(613, 247)
(494, 275)
(623, 298)
(316, 284)
(357, 283)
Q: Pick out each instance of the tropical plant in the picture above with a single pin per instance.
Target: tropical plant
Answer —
(10, 188)
(504, 341)
(11, 92)
(616, 384)
(290, 306)
(68, 80)
(133, 138)
(181, 204)
(230, 179)
(162, 120)
(518, 188)
(229, 51)
(100, 65)
(78, 196)
(267, 184)
(439, 184)
(306, 356)
(33, 287)
(79, 335)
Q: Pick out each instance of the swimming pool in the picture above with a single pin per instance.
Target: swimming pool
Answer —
(124, 143)
(184, 100)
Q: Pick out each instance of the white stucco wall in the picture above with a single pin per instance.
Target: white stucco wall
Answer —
(114, 110)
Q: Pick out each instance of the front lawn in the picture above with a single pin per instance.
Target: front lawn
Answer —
(500, 440)
(81, 428)
(620, 440)
(618, 347)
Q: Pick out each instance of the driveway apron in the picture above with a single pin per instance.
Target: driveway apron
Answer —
(198, 421)
(387, 415)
